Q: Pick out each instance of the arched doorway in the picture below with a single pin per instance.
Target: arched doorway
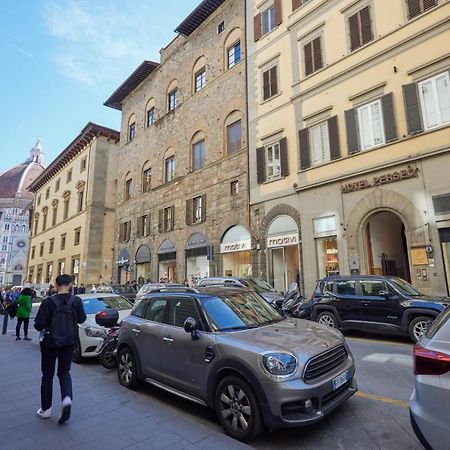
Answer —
(385, 245)
(235, 249)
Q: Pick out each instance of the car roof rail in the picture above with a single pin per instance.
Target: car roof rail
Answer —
(172, 289)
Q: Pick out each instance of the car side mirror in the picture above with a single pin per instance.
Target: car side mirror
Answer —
(385, 294)
(190, 326)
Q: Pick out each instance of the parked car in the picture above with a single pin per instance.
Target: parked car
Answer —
(375, 303)
(228, 349)
(430, 402)
(125, 290)
(152, 287)
(258, 285)
(91, 335)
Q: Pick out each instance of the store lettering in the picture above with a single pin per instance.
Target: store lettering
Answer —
(282, 241)
(234, 247)
(393, 177)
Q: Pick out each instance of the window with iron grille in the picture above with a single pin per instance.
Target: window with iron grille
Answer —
(234, 54)
(200, 79)
(270, 82)
(418, 7)
(360, 28)
(313, 55)
(234, 137)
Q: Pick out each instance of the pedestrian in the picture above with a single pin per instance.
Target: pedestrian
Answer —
(93, 289)
(76, 291)
(23, 313)
(82, 289)
(186, 282)
(57, 321)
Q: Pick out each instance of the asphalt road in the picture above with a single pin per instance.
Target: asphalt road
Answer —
(106, 415)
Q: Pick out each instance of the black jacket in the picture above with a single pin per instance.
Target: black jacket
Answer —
(43, 318)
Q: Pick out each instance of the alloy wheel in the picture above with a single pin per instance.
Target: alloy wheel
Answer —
(126, 368)
(326, 320)
(235, 408)
(420, 328)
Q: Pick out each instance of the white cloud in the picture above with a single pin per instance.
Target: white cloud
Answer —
(95, 39)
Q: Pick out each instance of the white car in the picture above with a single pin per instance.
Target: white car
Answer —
(91, 334)
(429, 406)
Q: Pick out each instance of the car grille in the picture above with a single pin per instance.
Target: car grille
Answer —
(324, 363)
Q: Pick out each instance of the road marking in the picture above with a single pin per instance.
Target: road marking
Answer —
(383, 358)
(376, 341)
(380, 398)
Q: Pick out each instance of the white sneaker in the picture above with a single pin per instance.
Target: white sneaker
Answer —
(44, 414)
(65, 410)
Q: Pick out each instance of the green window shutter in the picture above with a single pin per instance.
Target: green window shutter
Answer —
(351, 127)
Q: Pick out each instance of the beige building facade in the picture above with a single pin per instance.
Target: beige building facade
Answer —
(349, 127)
(182, 208)
(73, 211)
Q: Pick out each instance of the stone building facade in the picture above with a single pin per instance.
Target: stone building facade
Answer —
(349, 115)
(73, 211)
(14, 216)
(182, 207)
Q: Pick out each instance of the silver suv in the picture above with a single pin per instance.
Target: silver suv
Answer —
(226, 348)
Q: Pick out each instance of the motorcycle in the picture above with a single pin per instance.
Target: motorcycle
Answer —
(108, 354)
(295, 305)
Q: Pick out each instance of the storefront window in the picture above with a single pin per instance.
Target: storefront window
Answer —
(167, 262)
(327, 256)
(235, 248)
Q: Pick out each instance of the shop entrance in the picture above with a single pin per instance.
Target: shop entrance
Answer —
(167, 262)
(444, 236)
(385, 245)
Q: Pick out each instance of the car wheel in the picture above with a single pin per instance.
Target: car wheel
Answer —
(237, 409)
(328, 319)
(107, 356)
(76, 357)
(418, 326)
(126, 369)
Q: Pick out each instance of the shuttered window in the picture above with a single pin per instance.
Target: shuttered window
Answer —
(166, 220)
(360, 28)
(434, 95)
(417, 7)
(370, 123)
(273, 161)
(268, 20)
(320, 144)
(270, 83)
(313, 56)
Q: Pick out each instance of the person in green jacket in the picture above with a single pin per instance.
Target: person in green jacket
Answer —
(23, 313)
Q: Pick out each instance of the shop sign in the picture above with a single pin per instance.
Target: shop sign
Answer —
(122, 261)
(419, 256)
(282, 240)
(237, 246)
(391, 177)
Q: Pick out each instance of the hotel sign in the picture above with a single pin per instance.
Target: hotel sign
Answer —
(237, 246)
(282, 240)
(391, 177)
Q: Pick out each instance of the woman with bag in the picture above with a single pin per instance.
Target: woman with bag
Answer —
(23, 313)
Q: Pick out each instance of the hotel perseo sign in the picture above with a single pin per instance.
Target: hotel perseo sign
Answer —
(237, 246)
(387, 178)
(282, 240)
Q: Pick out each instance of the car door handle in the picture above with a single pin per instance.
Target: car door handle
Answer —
(168, 339)
(136, 330)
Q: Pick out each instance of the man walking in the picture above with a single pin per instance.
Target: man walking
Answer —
(57, 320)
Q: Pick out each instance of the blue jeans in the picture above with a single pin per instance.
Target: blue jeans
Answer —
(48, 363)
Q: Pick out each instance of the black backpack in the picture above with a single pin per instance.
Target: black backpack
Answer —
(64, 326)
(12, 308)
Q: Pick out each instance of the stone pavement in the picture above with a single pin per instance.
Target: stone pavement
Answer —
(107, 416)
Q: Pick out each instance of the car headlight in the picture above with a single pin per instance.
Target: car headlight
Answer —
(279, 364)
(95, 332)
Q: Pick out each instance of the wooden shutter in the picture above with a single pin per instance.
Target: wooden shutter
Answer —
(257, 27)
(260, 165)
(308, 59)
(303, 138)
(417, 7)
(121, 233)
(273, 81)
(412, 107)
(266, 84)
(139, 227)
(317, 53)
(161, 220)
(390, 129)
(189, 211)
(172, 221)
(296, 4)
(203, 207)
(284, 161)
(353, 28)
(128, 230)
(352, 131)
(333, 137)
(366, 25)
(427, 4)
(148, 227)
(278, 12)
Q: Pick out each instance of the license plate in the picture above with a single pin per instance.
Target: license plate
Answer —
(340, 380)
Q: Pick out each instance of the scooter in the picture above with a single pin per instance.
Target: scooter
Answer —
(295, 305)
(108, 354)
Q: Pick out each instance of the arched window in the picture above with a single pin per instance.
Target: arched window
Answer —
(233, 132)
(198, 151)
(232, 48)
(199, 75)
(18, 267)
(172, 96)
(150, 117)
(128, 191)
(17, 227)
(131, 127)
(169, 165)
(146, 177)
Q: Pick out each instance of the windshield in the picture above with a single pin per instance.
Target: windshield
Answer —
(257, 284)
(239, 311)
(93, 305)
(404, 287)
(125, 289)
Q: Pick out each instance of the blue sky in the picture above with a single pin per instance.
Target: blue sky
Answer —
(61, 59)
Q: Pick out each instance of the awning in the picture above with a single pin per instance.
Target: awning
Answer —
(124, 258)
(143, 254)
(167, 246)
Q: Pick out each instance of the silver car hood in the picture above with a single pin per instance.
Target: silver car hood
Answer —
(302, 338)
